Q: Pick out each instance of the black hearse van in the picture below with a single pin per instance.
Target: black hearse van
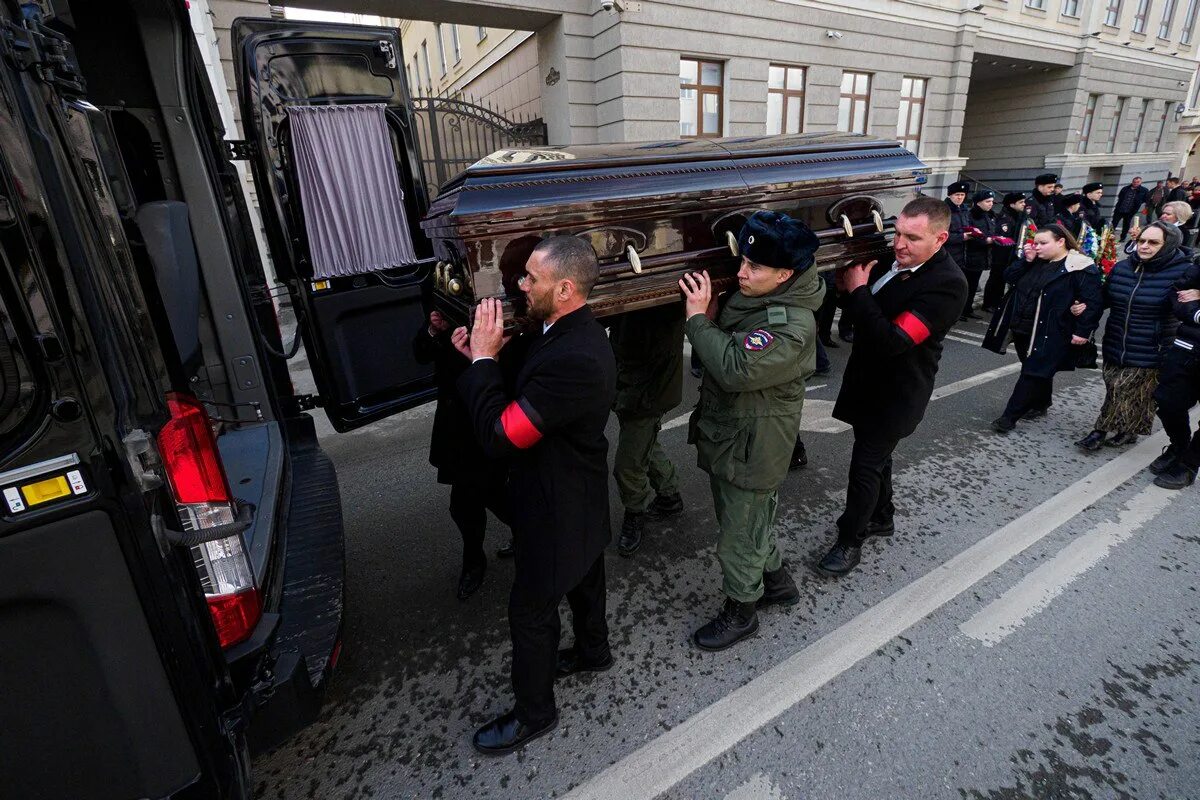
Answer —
(171, 565)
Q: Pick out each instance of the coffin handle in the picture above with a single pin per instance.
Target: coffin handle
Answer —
(847, 227)
(878, 220)
(635, 260)
(732, 240)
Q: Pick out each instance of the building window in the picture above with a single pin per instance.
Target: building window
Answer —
(1168, 16)
(1189, 22)
(1112, 14)
(1162, 126)
(1115, 126)
(1143, 112)
(441, 43)
(1140, 15)
(456, 46)
(701, 98)
(785, 99)
(425, 63)
(1040, 5)
(912, 112)
(855, 104)
(1085, 130)
(480, 33)
(1070, 8)
(1194, 96)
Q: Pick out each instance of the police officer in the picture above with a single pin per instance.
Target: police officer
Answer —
(956, 245)
(1042, 206)
(756, 350)
(1092, 192)
(648, 346)
(1009, 221)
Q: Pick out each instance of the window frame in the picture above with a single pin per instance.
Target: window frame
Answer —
(1036, 5)
(788, 95)
(425, 59)
(1113, 11)
(1143, 112)
(1141, 15)
(854, 98)
(1162, 126)
(1188, 29)
(919, 103)
(702, 89)
(1114, 130)
(441, 43)
(1168, 19)
(1074, 14)
(480, 33)
(1085, 127)
(455, 43)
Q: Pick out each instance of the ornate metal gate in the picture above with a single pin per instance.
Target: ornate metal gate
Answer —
(454, 134)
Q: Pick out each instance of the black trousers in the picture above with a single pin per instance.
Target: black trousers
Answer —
(869, 489)
(1122, 219)
(534, 625)
(972, 276)
(1178, 390)
(827, 310)
(993, 290)
(471, 496)
(1031, 392)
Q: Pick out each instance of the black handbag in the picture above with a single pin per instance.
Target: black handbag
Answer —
(1086, 355)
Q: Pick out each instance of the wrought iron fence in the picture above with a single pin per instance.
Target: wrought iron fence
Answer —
(454, 133)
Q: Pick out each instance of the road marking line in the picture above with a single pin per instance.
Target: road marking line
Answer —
(1011, 610)
(670, 758)
(970, 333)
(818, 414)
(971, 342)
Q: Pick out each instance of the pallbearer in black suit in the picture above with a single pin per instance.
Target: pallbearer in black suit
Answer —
(552, 428)
(901, 313)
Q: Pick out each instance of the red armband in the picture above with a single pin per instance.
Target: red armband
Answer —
(518, 426)
(913, 326)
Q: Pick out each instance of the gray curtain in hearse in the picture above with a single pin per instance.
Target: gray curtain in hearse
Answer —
(349, 189)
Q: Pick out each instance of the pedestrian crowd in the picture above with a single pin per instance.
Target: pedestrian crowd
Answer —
(519, 426)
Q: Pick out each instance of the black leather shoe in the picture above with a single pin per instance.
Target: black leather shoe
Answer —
(735, 622)
(799, 456)
(1122, 440)
(570, 662)
(779, 589)
(839, 561)
(1003, 424)
(471, 579)
(666, 505)
(631, 532)
(506, 733)
(1034, 413)
(882, 528)
(1161, 464)
(1092, 442)
(507, 551)
(828, 341)
(1177, 476)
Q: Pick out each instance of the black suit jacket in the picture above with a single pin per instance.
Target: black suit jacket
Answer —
(552, 427)
(897, 345)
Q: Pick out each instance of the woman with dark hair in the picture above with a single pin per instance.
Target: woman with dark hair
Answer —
(982, 225)
(1141, 326)
(1049, 277)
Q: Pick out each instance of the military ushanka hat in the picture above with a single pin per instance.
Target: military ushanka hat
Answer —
(1072, 200)
(1088, 188)
(1045, 178)
(776, 240)
(957, 187)
(1013, 197)
(983, 194)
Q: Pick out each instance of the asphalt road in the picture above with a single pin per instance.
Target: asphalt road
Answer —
(1030, 631)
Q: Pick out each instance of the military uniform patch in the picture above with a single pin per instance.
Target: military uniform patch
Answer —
(777, 315)
(758, 340)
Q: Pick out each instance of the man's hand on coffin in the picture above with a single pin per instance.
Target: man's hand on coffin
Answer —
(857, 276)
(697, 295)
(461, 339)
(487, 334)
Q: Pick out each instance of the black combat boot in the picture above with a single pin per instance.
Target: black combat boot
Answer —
(631, 532)
(735, 622)
(799, 456)
(840, 560)
(1092, 442)
(1177, 476)
(1161, 464)
(666, 505)
(881, 527)
(779, 589)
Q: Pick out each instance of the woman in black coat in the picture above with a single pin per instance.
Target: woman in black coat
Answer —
(982, 225)
(1141, 324)
(1045, 282)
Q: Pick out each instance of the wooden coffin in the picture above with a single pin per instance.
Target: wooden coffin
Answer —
(654, 210)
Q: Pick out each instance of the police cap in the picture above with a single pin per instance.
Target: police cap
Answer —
(1013, 197)
(1088, 188)
(983, 194)
(776, 240)
(957, 186)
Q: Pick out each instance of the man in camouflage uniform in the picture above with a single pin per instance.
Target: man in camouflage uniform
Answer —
(648, 346)
(756, 353)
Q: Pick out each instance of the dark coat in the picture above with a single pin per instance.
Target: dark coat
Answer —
(1178, 193)
(1077, 278)
(1131, 200)
(648, 346)
(956, 245)
(1188, 314)
(1008, 224)
(897, 345)
(1091, 214)
(552, 427)
(1140, 298)
(1042, 209)
(979, 250)
(1072, 222)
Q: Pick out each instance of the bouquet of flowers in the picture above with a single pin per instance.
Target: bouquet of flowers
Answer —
(1106, 255)
(1089, 242)
(973, 231)
(1003, 241)
(1027, 232)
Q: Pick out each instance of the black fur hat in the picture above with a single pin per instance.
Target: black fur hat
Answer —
(776, 240)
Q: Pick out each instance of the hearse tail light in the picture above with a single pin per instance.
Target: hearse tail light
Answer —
(203, 500)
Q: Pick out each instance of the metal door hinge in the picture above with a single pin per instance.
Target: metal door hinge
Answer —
(32, 47)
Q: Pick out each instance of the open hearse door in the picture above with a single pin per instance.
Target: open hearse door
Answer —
(332, 146)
